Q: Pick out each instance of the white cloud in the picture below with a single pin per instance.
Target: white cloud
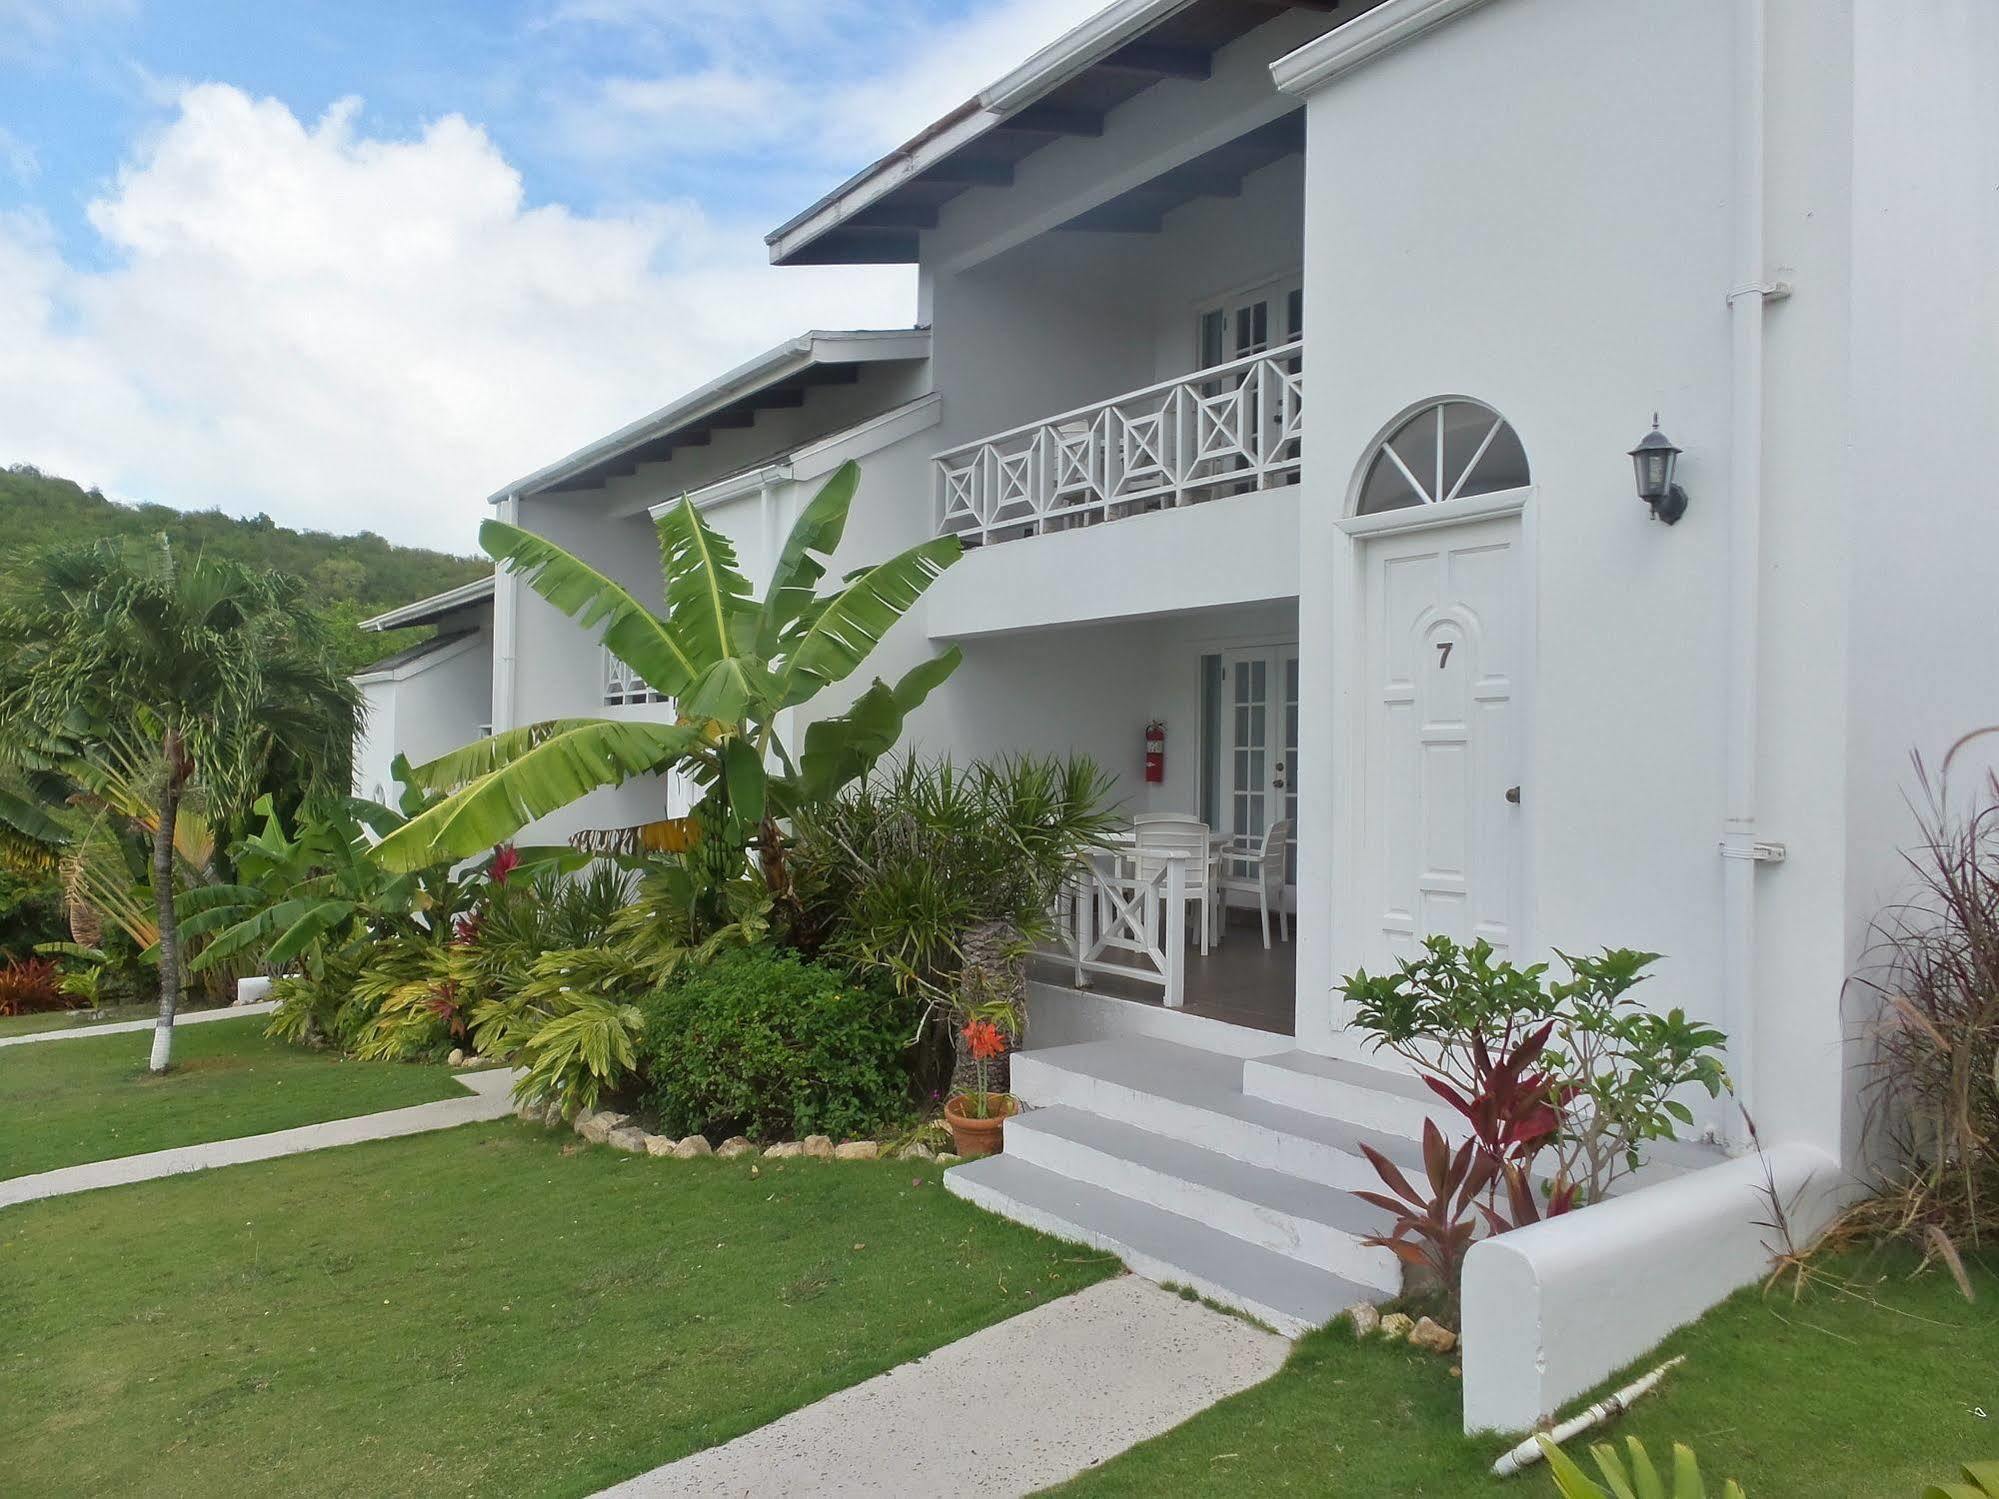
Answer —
(352, 332)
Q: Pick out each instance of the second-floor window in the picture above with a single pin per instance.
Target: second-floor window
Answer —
(1249, 322)
(624, 687)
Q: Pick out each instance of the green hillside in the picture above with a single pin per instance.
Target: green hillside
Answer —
(353, 577)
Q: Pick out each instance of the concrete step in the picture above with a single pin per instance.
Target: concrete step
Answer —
(1196, 1097)
(1162, 1246)
(1302, 1220)
(1387, 1099)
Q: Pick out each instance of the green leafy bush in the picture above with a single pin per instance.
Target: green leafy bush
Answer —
(764, 1044)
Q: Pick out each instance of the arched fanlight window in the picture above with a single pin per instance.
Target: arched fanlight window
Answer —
(1449, 450)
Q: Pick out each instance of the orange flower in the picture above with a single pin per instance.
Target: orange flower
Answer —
(984, 1040)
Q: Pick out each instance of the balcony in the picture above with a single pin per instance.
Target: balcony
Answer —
(1231, 429)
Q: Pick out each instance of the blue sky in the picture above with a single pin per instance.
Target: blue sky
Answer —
(357, 264)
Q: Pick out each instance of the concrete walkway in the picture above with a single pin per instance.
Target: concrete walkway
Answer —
(126, 1027)
(489, 1099)
(1007, 1411)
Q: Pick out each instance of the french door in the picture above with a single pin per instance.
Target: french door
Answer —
(1250, 322)
(1258, 759)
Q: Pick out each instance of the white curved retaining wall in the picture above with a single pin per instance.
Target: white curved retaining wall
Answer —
(1553, 1309)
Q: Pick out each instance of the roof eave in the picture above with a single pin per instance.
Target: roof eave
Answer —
(1066, 57)
(792, 357)
(425, 610)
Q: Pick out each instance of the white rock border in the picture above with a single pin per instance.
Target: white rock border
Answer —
(609, 1127)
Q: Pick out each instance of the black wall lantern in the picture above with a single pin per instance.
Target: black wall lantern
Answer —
(1655, 458)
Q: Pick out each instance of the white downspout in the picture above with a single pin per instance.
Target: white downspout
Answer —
(506, 630)
(1750, 293)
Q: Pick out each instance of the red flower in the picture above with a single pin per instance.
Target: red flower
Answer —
(984, 1040)
(465, 930)
(506, 859)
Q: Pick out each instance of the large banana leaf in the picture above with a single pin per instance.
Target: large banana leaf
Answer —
(841, 750)
(829, 642)
(794, 581)
(708, 600)
(560, 768)
(481, 758)
(633, 633)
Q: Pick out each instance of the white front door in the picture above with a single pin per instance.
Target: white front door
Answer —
(1260, 750)
(1441, 778)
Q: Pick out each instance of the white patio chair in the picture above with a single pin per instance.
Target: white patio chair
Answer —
(1155, 834)
(1266, 877)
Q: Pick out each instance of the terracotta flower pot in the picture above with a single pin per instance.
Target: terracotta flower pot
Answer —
(976, 1137)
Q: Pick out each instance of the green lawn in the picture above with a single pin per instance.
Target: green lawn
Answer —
(1833, 1396)
(489, 1310)
(88, 1099)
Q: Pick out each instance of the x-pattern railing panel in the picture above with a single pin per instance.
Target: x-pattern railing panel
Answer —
(1226, 430)
(1115, 920)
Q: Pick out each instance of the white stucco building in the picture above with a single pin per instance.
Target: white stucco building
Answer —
(1278, 365)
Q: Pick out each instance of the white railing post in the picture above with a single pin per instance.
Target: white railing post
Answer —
(1086, 905)
(1175, 946)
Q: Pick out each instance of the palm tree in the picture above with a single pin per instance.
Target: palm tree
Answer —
(222, 670)
(732, 665)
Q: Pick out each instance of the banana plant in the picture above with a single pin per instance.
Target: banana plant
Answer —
(731, 663)
(1640, 1481)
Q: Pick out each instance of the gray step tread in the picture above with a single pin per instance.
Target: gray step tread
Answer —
(1207, 1080)
(1391, 1080)
(1257, 1275)
(1257, 1185)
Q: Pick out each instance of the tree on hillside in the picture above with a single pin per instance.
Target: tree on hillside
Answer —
(349, 578)
(219, 665)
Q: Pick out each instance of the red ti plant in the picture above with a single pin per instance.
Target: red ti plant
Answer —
(1433, 1230)
(1514, 1111)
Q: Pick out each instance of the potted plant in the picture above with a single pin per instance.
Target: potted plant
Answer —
(978, 1118)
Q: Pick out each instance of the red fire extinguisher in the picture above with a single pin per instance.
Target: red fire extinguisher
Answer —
(1155, 752)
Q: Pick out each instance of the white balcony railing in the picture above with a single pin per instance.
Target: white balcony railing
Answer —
(1230, 429)
(1116, 917)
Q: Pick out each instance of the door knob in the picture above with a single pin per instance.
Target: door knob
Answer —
(1513, 795)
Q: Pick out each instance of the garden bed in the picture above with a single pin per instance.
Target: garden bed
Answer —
(469, 1312)
(91, 1098)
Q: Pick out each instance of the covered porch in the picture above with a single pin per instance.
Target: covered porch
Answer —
(1238, 983)
(1194, 714)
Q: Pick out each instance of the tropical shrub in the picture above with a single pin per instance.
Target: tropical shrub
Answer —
(1433, 1230)
(1607, 1066)
(777, 1048)
(29, 986)
(941, 878)
(1639, 1481)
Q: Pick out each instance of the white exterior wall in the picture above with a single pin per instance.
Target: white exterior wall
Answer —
(434, 705)
(1516, 123)
(1923, 418)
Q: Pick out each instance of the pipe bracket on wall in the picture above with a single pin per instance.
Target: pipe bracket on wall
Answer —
(1758, 853)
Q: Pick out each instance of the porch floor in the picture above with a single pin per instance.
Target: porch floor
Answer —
(1237, 982)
